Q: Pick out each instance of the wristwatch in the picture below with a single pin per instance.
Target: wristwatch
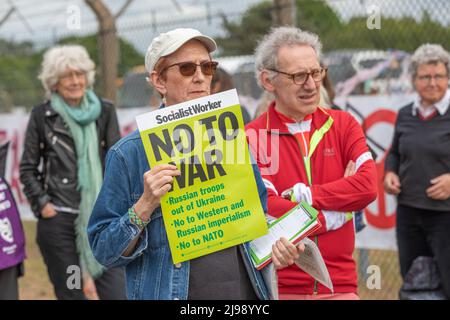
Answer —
(288, 194)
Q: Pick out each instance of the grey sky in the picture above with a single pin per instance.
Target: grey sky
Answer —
(48, 19)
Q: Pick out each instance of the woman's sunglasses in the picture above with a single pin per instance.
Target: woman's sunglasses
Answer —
(188, 69)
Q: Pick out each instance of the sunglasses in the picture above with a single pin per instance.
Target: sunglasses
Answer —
(188, 69)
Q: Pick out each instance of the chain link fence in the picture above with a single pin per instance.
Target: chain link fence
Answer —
(367, 45)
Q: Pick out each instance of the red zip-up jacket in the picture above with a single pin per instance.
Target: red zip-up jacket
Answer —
(280, 161)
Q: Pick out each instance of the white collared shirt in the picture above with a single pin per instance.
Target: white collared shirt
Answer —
(441, 106)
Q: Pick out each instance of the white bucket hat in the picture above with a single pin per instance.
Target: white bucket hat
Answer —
(169, 42)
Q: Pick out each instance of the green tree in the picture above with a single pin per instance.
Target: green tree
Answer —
(315, 15)
(403, 34)
(242, 36)
(20, 65)
(129, 56)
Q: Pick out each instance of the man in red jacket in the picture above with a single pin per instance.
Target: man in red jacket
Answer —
(305, 152)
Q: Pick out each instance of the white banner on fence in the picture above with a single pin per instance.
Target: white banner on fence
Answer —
(12, 129)
(376, 114)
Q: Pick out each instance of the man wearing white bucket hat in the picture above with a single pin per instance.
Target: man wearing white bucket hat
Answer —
(126, 226)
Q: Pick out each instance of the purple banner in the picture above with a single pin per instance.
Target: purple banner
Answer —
(12, 241)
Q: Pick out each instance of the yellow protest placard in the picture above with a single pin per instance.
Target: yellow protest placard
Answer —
(214, 204)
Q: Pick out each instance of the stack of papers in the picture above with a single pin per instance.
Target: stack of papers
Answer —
(294, 225)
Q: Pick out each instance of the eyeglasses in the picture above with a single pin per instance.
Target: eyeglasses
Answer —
(300, 78)
(188, 69)
(70, 75)
(427, 78)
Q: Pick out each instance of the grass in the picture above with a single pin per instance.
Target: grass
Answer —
(35, 285)
(385, 263)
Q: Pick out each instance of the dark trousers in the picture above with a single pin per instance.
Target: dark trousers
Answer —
(56, 240)
(9, 289)
(424, 233)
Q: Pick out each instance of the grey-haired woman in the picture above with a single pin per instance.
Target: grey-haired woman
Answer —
(61, 170)
(418, 166)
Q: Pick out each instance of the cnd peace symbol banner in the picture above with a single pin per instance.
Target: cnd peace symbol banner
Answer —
(214, 204)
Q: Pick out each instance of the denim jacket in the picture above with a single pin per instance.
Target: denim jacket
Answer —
(150, 272)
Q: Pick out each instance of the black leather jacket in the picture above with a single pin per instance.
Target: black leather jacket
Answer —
(48, 168)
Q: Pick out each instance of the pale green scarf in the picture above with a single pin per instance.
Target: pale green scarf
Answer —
(81, 123)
